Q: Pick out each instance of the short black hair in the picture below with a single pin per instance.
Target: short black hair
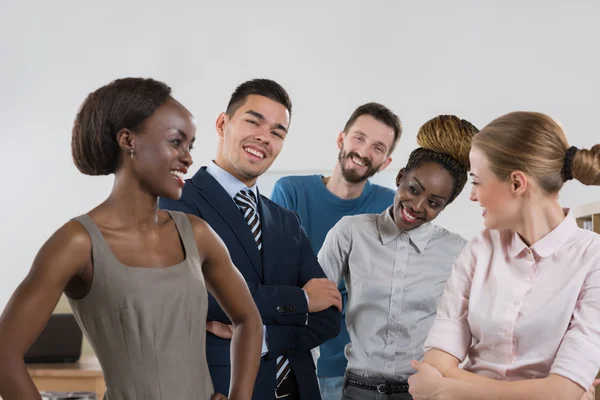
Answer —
(382, 114)
(260, 87)
(122, 104)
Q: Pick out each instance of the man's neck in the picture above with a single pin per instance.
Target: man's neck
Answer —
(223, 164)
(339, 186)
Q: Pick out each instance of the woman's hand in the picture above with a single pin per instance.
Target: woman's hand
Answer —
(427, 383)
(591, 393)
(219, 329)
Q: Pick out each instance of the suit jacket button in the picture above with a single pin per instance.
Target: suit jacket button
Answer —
(292, 308)
(279, 309)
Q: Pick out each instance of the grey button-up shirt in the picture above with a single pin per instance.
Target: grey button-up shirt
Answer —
(394, 280)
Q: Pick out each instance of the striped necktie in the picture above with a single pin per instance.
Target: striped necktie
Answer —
(246, 202)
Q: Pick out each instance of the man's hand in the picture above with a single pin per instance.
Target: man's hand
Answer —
(322, 294)
(591, 393)
(221, 330)
(218, 396)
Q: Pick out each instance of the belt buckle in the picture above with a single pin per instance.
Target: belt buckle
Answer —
(382, 388)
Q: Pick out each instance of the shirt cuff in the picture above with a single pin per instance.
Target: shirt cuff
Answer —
(265, 348)
(450, 336)
(577, 360)
(306, 295)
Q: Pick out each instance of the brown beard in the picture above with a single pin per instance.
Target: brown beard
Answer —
(351, 176)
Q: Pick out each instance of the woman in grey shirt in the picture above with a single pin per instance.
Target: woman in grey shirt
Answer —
(395, 264)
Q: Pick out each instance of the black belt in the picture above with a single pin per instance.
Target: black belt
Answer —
(386, 387)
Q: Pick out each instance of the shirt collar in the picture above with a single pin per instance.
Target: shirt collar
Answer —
(230, 183)
(388, 230)
(550, 243)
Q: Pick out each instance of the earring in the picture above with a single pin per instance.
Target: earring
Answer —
(131, 153)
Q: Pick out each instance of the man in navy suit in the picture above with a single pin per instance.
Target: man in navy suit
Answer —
(300, 308)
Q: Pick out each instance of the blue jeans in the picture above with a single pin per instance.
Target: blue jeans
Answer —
(331, 387)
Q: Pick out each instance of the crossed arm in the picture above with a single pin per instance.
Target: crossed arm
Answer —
(439, 376)
(292, 323)
(297, 317)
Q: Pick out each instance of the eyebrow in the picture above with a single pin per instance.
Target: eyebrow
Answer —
(473, 175)
(185, 135)
(377, 142)
(420, 184)
(433, 195)
(262, 118)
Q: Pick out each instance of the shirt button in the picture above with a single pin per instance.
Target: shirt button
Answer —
(527, 280)
(394, 316)
(392, 341)
(516, 302)
(397, 290)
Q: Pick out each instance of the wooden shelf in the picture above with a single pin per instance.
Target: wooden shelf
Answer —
(588, 216)
(84, 375)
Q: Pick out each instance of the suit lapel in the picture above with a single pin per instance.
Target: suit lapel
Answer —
(270, 233)
(220, 201)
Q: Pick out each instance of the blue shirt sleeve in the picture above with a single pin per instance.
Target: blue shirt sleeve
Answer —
(281, 195)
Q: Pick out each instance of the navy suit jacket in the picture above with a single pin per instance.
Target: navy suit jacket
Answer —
(275, 281)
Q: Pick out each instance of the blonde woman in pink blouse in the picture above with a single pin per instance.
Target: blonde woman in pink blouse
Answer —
(523, 299)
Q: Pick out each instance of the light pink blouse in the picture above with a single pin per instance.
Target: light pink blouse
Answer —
(522, 312)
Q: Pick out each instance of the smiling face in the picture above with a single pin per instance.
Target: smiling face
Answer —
(161, 149)
(500, 206)
(251, 138)
(364, 149)
(423, 192)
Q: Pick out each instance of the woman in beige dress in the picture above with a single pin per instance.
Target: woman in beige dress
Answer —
(136, 276)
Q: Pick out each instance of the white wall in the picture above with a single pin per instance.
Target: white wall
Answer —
(478, 59)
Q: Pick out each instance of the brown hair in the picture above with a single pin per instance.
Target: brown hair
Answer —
(382, 114)
(122, 104)
(445, 140)
(536, 145)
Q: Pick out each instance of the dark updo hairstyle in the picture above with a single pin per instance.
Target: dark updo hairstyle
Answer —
(122, 104)
(445, 140)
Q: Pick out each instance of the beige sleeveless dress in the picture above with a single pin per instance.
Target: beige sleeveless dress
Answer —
(147, 326)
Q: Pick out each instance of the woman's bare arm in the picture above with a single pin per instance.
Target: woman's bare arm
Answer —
(429, 383)
(62, 257)
(229, 288)
(448, 365)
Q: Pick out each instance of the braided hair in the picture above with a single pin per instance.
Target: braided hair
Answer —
(445, 140)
